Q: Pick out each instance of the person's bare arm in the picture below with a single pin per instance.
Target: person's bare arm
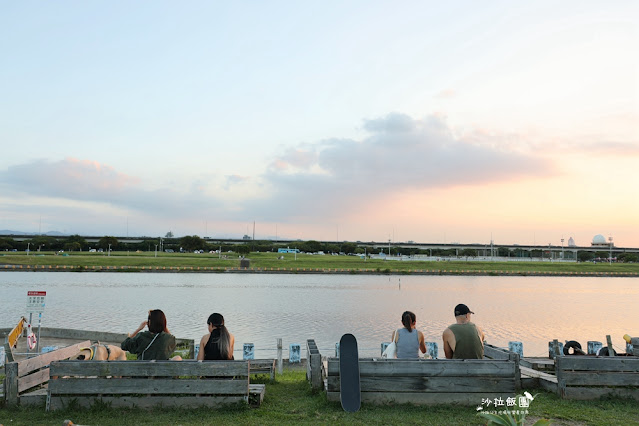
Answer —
(422, 342)
(203, 342)
(482, 337)
(449, 343)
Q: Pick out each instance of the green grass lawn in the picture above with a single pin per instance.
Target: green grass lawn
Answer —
(133, 261)
(290, 401)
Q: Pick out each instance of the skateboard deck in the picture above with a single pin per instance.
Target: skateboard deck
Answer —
(349, 374)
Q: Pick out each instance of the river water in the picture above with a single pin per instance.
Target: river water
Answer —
(259, 308)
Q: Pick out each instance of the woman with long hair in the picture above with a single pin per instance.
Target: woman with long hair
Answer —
(156, 343)
(218, 343)
(408, 339)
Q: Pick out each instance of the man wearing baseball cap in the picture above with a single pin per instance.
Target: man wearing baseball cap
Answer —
(463, 340)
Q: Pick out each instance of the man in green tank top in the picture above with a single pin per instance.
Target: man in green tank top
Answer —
(463, 340)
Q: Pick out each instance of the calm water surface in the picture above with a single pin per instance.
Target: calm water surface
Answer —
(259, 308)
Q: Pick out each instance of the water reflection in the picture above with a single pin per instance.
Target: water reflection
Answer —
(259, 308)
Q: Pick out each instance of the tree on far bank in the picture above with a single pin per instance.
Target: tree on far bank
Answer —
(82, 243)
(104, 242)
(192, 242)
(242, 249)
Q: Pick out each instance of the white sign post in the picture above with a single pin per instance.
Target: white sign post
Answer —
(35, 304)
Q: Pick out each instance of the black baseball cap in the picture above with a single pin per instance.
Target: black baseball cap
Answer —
(462, 309)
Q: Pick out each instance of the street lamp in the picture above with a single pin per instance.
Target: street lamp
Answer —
(610, 257)
(109, 250)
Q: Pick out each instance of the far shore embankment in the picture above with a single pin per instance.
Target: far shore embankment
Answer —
(277, 263)
(329, 271)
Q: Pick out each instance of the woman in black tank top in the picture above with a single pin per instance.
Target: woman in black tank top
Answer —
(218, 344)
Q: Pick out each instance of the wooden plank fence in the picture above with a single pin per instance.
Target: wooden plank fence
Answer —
(428, 382)
(23, 376)
(148, 384)
(587, 377)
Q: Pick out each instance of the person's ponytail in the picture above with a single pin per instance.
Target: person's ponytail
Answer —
(408, 318)
(224, 342)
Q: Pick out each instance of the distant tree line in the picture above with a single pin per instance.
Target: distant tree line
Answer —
(190, 243)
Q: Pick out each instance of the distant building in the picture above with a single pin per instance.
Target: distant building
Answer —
(246, 237)
(571, 242)
(600, 241)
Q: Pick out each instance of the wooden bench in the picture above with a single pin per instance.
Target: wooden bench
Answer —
(428, 382)
(263, 366)
(589, 377)
(148, 384)
(22, 377)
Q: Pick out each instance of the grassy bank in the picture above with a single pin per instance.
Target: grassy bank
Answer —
(290, 401)
(301, 263)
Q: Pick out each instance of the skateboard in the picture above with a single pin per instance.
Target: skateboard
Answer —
(349, 374)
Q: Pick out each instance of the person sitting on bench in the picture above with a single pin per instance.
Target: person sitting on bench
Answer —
(463, 340)
(156, 343)
(218, 343)
(408, 339)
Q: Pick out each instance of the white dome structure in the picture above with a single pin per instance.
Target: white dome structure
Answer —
(571, 242)
(599, 240)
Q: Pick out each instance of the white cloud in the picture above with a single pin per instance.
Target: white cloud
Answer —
(400, 153)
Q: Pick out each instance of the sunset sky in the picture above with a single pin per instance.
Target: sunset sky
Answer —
(361, 120)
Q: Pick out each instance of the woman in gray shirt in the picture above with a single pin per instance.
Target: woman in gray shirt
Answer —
(409, 340)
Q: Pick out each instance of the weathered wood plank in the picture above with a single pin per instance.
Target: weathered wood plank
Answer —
(431, 384)
(11, 383)
(531, 372)
(32, 380)
(263, 366)
(315, 365)
(494, 352)
(597, 378)
(424, 398)
(498, 368)
(151, 369)
(123, 386)
(35, 398)
(634, 341)
(32, 364)
(147, 402)
(256, 394)
(590, 363)
(8, 351)
(584, 393)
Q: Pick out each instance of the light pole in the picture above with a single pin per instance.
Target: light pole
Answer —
(109, 250)
(610, 257)
(28, 244)
(562, 249)
(156, 250)
(389, 247)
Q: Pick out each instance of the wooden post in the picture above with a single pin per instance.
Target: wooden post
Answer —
(279, 356)
(609, 341)
(11, 383)
(8, 353)
(555, 348)
(515, 358)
